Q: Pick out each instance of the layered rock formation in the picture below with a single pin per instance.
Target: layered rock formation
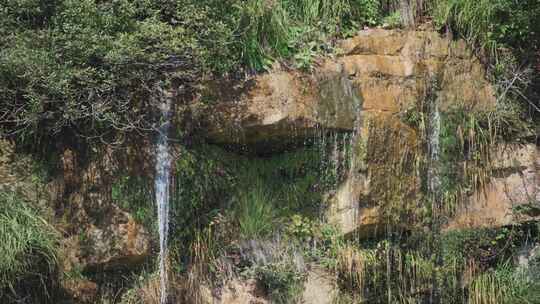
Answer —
(511, 195)
(380, 71)
(380, 76)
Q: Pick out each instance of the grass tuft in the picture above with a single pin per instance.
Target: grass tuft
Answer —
(28, 249)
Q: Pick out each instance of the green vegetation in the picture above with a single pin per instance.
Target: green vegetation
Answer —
(280, 29)
(92, 68)
(504, 284)
(99, 66)
(283, 281)
(259, 194)
(505, 34)
(29, 251)
(476, 268)
(282, 195)
(203, 185)
(86, 70)
(393, 20)
(295, 180)
(255, 213)
(133, 193)
(492, 23)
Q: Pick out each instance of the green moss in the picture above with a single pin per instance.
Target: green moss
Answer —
(394, 160)
(134, 194)
(203, 185)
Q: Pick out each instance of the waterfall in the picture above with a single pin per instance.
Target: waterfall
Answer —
(434, 183)
(163, 166)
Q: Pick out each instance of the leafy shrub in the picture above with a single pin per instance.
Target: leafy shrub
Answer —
(487, 246)
(282, 281)
(94, 64)
(98, 66)
(364, 12)
(301, 228)
(393, 20)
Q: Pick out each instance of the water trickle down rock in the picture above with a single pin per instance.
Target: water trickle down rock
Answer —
(341, 103)
(514, 186)
(389, 69)
(163, 168)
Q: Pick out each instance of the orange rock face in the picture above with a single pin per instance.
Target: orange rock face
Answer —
(379, 71)
(516, 184)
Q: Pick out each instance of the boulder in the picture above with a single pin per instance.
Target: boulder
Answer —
(99, 234)
(119, 243)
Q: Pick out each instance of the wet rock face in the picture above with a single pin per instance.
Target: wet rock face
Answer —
(512, 195)
(119, 243)
(380, 71)
(378, 77)
(281, 108)
(100, 235)
(391, 67)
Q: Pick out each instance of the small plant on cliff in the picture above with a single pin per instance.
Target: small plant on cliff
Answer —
(255, 213)
(28, 249)
(134, 193)
(393, 20)
(492, 23)
(282, 281)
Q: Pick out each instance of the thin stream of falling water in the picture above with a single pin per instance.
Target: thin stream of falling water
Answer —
(163, 167)
(434, 149)
(434, 186)
(338, 147)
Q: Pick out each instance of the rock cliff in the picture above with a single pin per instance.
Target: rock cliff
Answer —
(377, 89)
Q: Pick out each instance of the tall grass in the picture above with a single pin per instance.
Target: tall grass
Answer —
(272, 29)
(265, 32)
(492, 23)
(274, 189)
(325, 12)
(505, 285)
(255, 212)
(386, 272)
(28, 247)
(473, 19)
